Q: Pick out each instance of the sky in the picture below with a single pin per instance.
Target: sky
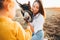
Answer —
(46, 3)
(51, 3)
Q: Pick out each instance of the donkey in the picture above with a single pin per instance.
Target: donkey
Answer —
(26, 11)
(27, 14)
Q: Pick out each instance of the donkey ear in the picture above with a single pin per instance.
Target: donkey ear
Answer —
(19, 3)
(29, 3)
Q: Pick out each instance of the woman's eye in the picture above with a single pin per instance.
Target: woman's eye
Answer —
(33, 6)
(37, 7)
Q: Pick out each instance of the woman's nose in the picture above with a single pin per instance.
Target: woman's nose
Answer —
(34, 9)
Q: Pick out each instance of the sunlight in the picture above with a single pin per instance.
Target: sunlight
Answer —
(46, 3)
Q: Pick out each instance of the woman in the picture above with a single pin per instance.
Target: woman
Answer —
(11, 30)
(38, 20)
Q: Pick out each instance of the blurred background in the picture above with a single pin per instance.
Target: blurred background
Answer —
(52, 21)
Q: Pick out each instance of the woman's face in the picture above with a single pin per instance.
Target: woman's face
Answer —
(35, 7)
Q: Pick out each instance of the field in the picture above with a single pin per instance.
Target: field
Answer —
(52, 23)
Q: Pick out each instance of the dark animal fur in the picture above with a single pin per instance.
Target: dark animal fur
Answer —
(26, 7)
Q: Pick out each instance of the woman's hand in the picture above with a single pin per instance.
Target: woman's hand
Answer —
(32, 29)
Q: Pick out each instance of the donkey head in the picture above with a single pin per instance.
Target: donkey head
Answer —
(26, 12)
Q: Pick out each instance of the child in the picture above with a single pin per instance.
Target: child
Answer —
(11, 30)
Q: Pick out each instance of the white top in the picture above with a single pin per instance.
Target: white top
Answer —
(38, 22)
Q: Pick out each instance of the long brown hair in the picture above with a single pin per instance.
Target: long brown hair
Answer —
(41, 9)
